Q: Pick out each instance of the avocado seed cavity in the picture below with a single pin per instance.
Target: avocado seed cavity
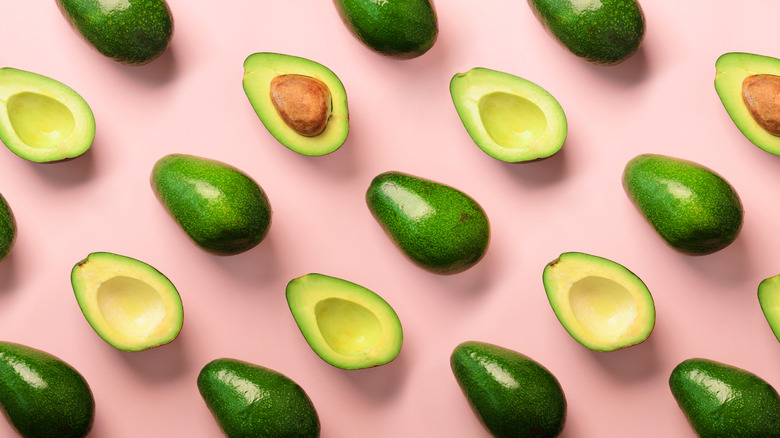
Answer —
(303, 102)
(761, 94)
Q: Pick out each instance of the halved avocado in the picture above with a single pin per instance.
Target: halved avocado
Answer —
(748, 86)
(130, 304)
(347, 325)
(302, 103)
(510, 118)
(769, 299)
(41, 119)
(602, 305)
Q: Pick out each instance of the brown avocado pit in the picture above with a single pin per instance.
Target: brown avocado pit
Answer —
(761, 94)
(303, 102)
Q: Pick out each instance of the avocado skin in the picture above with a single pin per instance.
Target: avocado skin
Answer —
(721, 400)
(694, 209)
(606, 32)
(221, 208)
(401, 29)
(7, 228)
(511, 394)
(438, 227)
(135, 34)
(251, 401)
(43, 396)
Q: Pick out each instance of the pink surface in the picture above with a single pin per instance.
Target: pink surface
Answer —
(191, 101)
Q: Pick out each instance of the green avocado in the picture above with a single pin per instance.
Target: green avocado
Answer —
(132, 32)
(602, 32)
(7, 228)
(511, 394)
(769, 300)
(42, 396)
(400, 29)
(249, 400)
(130, 304)
(347, 325)
(721, 400)
(508, 117)
(42, 119)
(602, 305)
(748, 86)
(302, 103)
(438, 227)
(221, 208)
(694, 209)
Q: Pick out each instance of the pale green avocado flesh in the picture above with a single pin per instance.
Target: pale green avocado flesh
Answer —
(769, 299)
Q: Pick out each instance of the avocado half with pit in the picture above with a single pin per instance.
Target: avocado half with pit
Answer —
(602, 305)
(129, 303)
(42, 119)
(510, 118)
(748, 86)
(302, 103)
(347, 325)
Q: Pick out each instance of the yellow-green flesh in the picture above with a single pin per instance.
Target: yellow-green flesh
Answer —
(769, 299)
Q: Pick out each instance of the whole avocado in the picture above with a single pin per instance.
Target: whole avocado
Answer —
(7, 228)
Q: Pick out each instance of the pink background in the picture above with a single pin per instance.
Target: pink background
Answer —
(191, 101)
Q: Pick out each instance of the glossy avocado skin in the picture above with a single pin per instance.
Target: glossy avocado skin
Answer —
(7, 228)
(720, 400)
(604, 32)
(135, 33)
(401, 29)
(438, 227)
(43, 396)
(694, 209)
(251, 401)
(220, 207)
(511, 394)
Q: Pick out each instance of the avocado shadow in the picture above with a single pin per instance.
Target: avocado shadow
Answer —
(472, 282)
(628, 73)
(258, 265)
(542, 172)
(633, 363)
(68, 173)
(156, 73)
(341, 163)
(7, 273)
(159, 364)
(729, 266)
(381, 383)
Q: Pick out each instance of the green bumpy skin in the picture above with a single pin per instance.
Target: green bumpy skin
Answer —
(694, 209)
(220, 207)
(7, 228)
(721, 400)
(602, 32)
(133, 32)
(401, 29)
(511, 394)
(43, 396)
(439, 228)
(251, 401)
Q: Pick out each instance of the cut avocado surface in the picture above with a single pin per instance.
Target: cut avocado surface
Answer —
(129, 303)
(748, 86)
(302, 103)
(42, 119)
(347, 325)
(769, 299)
(602, 305)
(510, 118)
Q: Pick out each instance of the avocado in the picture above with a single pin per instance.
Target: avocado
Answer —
(721, 400)
(130, 304)
(42, 119)
(511, 394)
(131, 32)
(438, 227)
(508, 117)
(769, 300)
(221, 208)
(7, 228)
(748, 86)
(301, 102)
(694, 209)
(399, 29)
(602, 32)
(249, 400)
(602, 305)
(347, 325)
(42, 396)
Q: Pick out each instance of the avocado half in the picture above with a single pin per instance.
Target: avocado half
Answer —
(510, 118)
(732, 71)
(42, 119)
(284, 90)
(602, 305)
(130, 304)
(769, 299)
(347, 325)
